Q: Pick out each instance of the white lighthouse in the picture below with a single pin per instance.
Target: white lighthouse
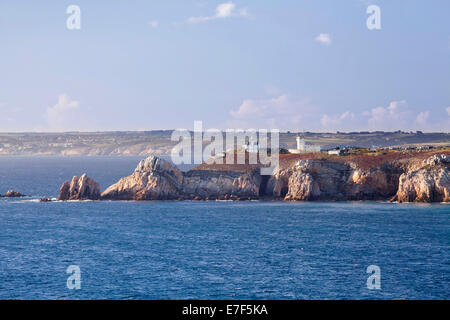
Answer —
(302, 147)
(300, 144)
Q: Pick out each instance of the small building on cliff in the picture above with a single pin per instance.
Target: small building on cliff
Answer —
(302, 147)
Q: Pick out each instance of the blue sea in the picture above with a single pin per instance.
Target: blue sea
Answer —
(210, 250)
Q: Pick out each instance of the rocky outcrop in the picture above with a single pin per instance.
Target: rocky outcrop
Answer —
(158, 179)
(321, 179)
(81, 188)
(307, 180)
(219, 184)
(428, 184)
(13, 194)
(153, 179)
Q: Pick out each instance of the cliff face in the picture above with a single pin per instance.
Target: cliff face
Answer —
(328, 180)
(158, 179)
(431, 183)
(153, 179)
(313, 179)
(81, 188)
(214, 184)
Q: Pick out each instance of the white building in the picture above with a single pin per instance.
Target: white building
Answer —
(302, 147)
(338, 152)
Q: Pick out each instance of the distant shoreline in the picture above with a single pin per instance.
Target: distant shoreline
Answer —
(158, 142)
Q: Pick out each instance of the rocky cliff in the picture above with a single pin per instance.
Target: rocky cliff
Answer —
(430, 183)
(158, 179)
(153, 179)
(334, 178)
(321, 179)
(81, 188)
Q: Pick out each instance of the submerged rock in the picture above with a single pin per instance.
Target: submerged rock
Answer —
(81, 188)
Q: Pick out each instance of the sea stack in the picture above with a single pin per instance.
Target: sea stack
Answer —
(81, 188)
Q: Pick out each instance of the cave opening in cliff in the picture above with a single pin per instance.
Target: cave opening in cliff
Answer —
(263, 186)
(284, 191)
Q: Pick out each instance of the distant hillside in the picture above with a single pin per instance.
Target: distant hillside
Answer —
(158, 142)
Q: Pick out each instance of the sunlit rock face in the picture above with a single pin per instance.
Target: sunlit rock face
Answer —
(431, 183)
(80, 188)
(153, 179)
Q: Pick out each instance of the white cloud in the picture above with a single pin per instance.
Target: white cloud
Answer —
(324, 38)
(153, 23)
(422, 118)
(337, 121)
(393, 117)
(398, 116)
(223, 10)
(58, 115)
(278, 112)
(448, 111)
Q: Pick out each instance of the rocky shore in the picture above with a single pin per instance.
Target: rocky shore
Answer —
(408, 179)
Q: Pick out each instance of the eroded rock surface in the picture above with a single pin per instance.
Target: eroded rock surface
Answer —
(81, 188)
(153, 179)
(428, 184)
(313, 179)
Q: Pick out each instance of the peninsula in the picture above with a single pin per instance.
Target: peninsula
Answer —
(409, 176)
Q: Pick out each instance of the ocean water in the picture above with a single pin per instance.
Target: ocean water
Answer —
(210, 250)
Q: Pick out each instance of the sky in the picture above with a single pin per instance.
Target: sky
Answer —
(310, 65)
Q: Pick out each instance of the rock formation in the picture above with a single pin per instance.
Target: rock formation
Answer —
(154, 178)
(13, 194)
(218, 184)
(81, 188)
(320, 179)
(431, 183)
(158, 179)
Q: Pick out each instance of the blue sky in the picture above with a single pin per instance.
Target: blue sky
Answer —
(291, 65)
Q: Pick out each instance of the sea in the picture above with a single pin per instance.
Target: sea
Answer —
(213, 249)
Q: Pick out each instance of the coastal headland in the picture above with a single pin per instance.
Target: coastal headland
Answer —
(409, 176)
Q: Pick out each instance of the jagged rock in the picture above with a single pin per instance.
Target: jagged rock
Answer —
(158, 179)
(313, 179)
(437, 159)
(13, 194)
(424, 186)
(81, 188)
(205, 183)
(320, 179)
(64, 191)
(45, 200)
(302, 187)
(153, 179)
